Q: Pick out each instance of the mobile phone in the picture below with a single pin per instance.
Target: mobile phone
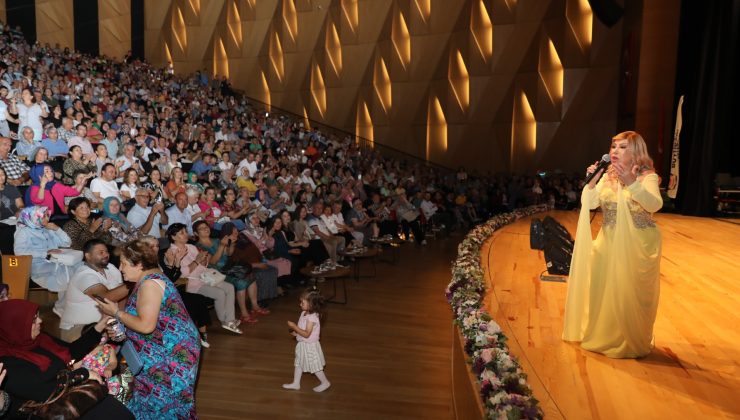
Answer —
(98, 297)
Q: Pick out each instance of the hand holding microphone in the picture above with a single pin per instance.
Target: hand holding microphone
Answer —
(594, 172)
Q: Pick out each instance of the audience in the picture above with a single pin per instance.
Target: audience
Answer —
(193, 264)
(186, 154)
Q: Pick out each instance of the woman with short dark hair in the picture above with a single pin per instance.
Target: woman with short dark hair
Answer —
(162, 333)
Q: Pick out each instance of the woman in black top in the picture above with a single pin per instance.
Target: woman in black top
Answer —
(10, 199)
(11, 204)
(33, 359)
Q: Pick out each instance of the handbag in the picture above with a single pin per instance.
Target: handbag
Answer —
(73, 397)
(68, 257)
(410, 215)
(133, 360)
(212, 277)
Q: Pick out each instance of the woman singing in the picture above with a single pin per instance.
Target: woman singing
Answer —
(614, 280)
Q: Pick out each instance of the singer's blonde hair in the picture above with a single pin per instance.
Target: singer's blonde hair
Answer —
(637, 148)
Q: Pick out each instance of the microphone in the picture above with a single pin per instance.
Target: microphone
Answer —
(603, 164)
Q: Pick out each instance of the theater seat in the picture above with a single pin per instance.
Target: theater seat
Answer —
(17, 274)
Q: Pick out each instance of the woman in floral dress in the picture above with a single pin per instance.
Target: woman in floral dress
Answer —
(163, 335)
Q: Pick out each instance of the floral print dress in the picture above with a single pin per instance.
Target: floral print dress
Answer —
(170, 354)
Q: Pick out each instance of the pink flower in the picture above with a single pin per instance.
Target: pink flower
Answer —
(486, 355)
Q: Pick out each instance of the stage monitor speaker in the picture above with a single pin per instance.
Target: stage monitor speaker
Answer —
(607, 11)
(558, 254)
(553, 228)
(536, 234)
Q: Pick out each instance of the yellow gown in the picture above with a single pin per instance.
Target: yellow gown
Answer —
(614, 285)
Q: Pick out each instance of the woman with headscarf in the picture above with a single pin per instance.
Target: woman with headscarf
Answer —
(33, 360)
(121, 229)
(39, 238)
(47, 192)
(26, 143)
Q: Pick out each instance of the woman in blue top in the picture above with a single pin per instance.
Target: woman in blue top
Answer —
(164, 336)
(36, 236)
(240, 276)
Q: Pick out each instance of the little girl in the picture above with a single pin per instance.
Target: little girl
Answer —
(308, 354)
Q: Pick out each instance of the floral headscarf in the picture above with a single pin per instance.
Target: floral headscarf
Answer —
(32, 217)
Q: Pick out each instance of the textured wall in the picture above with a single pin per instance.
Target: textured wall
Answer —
(115, 27)
(491, 84)
(55, 22)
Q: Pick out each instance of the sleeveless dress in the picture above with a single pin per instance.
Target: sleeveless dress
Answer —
(170, 355)
(614, 281)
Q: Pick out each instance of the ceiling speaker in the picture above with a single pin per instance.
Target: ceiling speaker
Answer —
(607, 11)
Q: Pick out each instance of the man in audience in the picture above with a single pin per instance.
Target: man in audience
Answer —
(96, 277)
(250, 164)
(105, 185)
(15, 170)
(56, 147)
(180, 213)
(128, 160)
(111, 143)
(147, 219)
(80, 139)
(67, 130)
(203, 165)
(333, 244)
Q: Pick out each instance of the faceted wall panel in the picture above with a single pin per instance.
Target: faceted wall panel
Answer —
(495, 85)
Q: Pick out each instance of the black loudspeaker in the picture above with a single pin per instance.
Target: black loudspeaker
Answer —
(607, 11)
(557, 256)
(553, 229)
(558, 247)
(536, 234)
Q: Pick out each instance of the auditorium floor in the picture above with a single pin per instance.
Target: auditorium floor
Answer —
(388, 351)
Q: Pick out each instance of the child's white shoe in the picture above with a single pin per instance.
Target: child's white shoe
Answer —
(321, 388)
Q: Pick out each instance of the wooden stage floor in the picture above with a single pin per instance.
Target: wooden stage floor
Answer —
(693, 372)
(388, 352)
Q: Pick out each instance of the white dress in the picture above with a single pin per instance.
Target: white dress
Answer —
(308, 354)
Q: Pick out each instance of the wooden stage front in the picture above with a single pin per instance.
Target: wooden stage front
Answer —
(693, 372)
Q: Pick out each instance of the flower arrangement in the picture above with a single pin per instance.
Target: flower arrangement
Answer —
(503, 385)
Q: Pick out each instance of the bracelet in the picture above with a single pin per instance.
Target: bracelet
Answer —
(116, 316)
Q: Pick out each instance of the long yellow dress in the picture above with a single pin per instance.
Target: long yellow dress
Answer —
(614, 285)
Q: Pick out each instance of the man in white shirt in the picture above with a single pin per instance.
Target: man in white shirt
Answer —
(128, 160)
(333, 244)
(146, 218)
(179, 213)
(95, 277)
(105, 185)
(427, 207)
(250, 164)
